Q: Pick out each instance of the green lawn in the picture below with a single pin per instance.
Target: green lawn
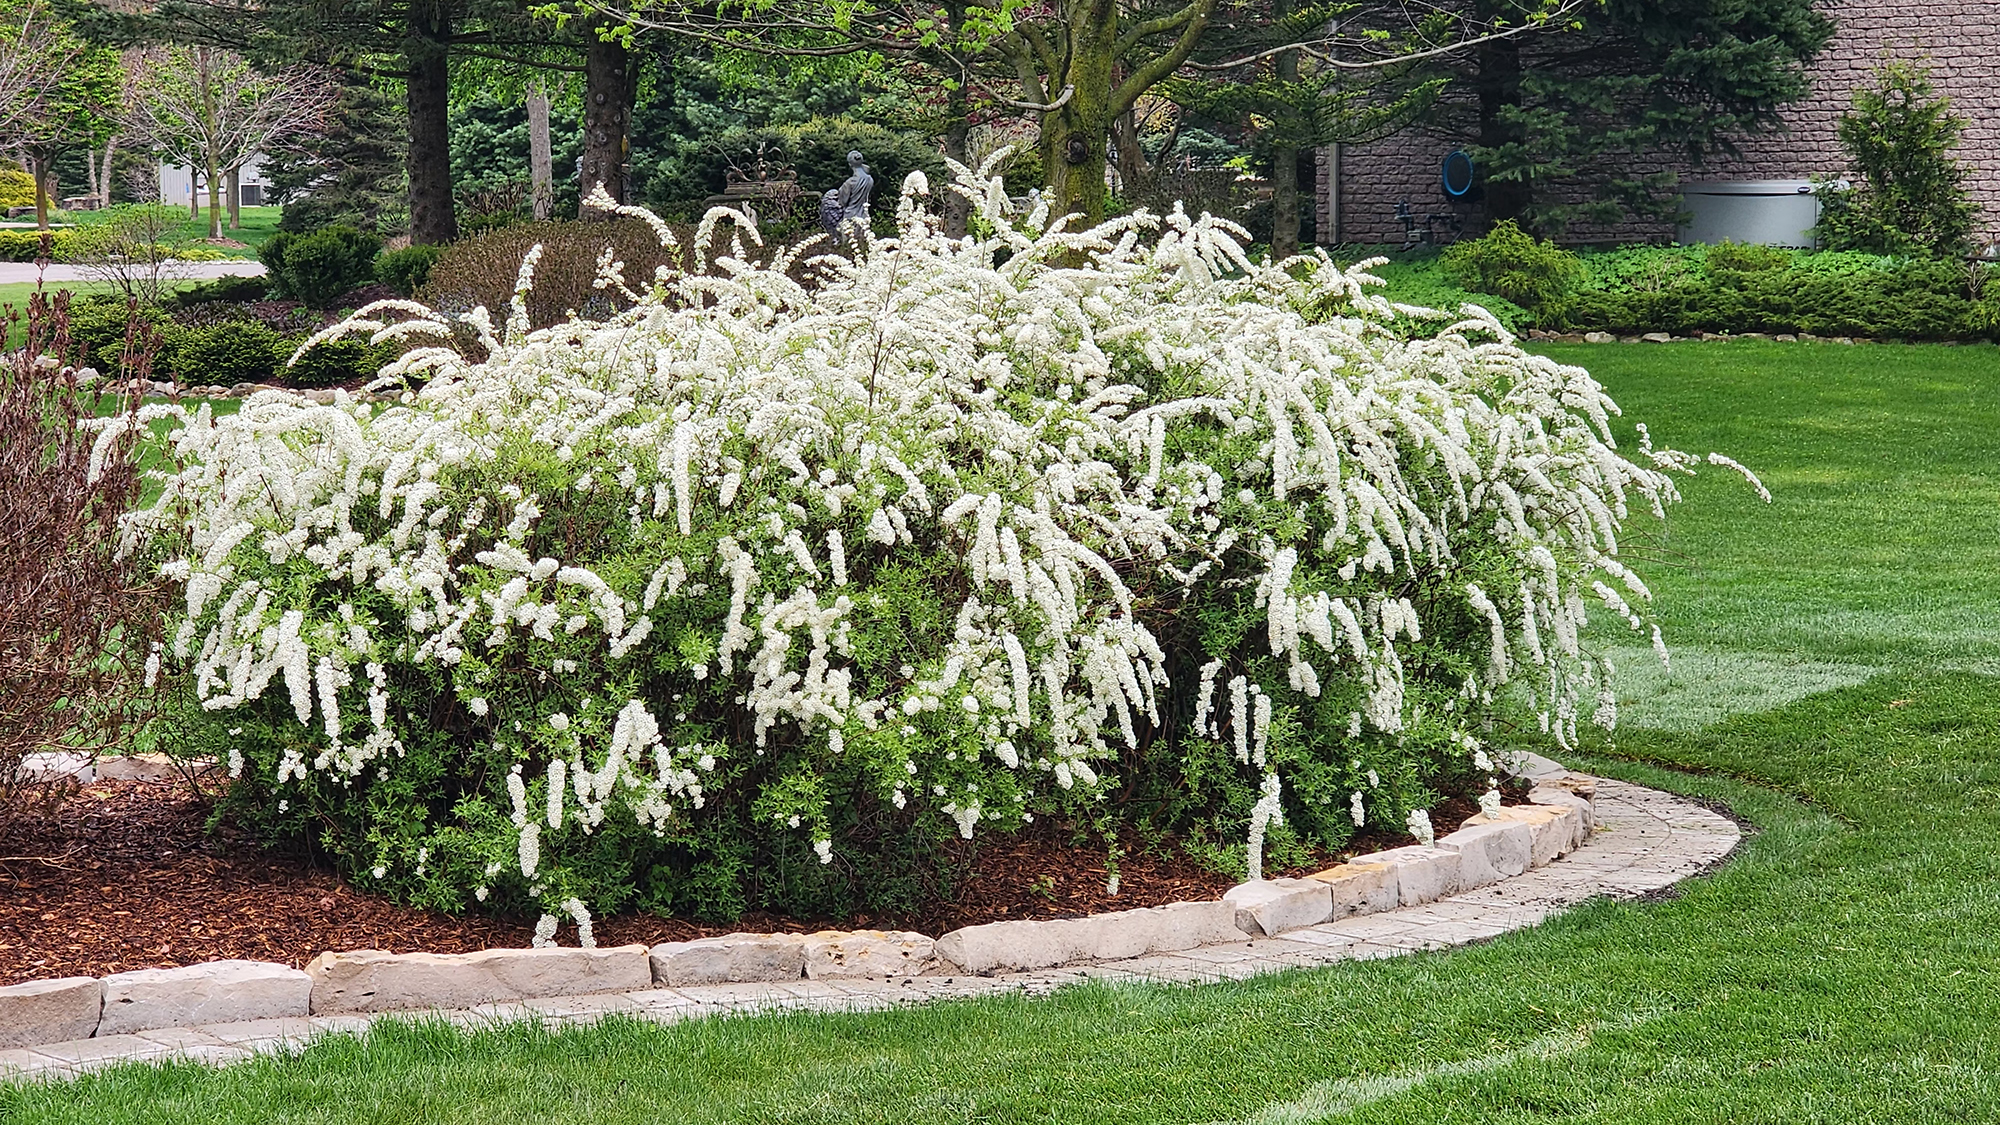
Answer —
(1840, 969)
(259, 223)
(14, 294)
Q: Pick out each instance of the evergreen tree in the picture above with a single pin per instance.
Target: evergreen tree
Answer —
(352, 173)
(1640, 77)
(1909, 197)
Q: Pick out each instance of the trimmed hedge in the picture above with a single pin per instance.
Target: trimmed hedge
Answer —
(26, 245)
(1731, 288)
(1829, 294)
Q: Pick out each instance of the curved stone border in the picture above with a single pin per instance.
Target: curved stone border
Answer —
(1645, 840)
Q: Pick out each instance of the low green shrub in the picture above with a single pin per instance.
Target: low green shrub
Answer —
(227, 353)
(333, 363)
(1823, 294)
(1746, 257)
(238, 290)
(1510, 263)
(407, 269)
(1737, 288)
(17, 188)
(26, 245)
(99, 326)
(320, 267)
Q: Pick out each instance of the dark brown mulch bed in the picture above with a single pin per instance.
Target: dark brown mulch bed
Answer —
(124, 876)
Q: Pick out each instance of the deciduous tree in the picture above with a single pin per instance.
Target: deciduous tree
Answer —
(210, 109)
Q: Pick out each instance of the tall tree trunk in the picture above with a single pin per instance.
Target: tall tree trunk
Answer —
(236, 199)
(541, 168)
(216, 179)
(194, 195)
(1285, 158)
(103, 190)
(1499, 85)
(607, 116)
(1284, 201)
(433, 217)
(38, 165)
(1133, 172)
(955, 209)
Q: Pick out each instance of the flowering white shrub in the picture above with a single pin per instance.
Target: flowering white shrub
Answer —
(759, 589)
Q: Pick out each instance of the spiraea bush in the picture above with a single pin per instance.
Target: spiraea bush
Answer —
(755, 595)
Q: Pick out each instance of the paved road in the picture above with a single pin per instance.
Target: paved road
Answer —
(15, 272)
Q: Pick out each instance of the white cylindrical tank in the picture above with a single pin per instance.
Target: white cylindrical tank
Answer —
(1770, 212)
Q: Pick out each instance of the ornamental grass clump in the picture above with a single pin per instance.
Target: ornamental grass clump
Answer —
(763, 593)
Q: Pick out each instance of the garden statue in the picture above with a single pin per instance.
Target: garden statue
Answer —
(853, 198)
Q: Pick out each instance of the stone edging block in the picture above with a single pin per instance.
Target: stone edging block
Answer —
(1272, 906)
(212, 992)
(49, 1011)
(1422, 874)
(732, 958)
(1490, 852)
(1020, 945)
(370, 980)
(832, 954)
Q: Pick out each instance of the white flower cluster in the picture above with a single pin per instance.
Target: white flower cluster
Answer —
(1099, 422)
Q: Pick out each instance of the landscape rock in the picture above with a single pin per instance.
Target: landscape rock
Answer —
(42, 768)
(136, 767)
(1020, 945)
(1658, 338)
(1552, 795)
(1422, 874)
(1786, 338)
(865, 953)
(212, 992)
(1583, 785)
(1599, 338)
(49, 1011)
(1556, 830)
(1491, 852)
(1271, 906)
(732, 958)
(370, 980)
(1359, 888)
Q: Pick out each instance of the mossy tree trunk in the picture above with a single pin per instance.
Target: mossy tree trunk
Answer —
(1084, 68)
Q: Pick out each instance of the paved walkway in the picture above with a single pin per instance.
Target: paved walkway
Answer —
(1646, 840)
(12, 273)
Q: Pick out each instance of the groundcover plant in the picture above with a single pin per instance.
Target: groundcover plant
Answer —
(760, 592)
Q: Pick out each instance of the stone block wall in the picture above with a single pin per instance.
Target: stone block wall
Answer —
(1958, 39)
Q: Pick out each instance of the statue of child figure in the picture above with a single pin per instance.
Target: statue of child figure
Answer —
(843, 211)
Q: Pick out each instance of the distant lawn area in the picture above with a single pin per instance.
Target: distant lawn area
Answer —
(1834, 684)
(15, 295)
(259, 223)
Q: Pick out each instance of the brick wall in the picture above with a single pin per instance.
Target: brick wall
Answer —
(1960, 39)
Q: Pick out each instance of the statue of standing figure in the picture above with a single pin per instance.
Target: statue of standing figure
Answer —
(843, 211)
